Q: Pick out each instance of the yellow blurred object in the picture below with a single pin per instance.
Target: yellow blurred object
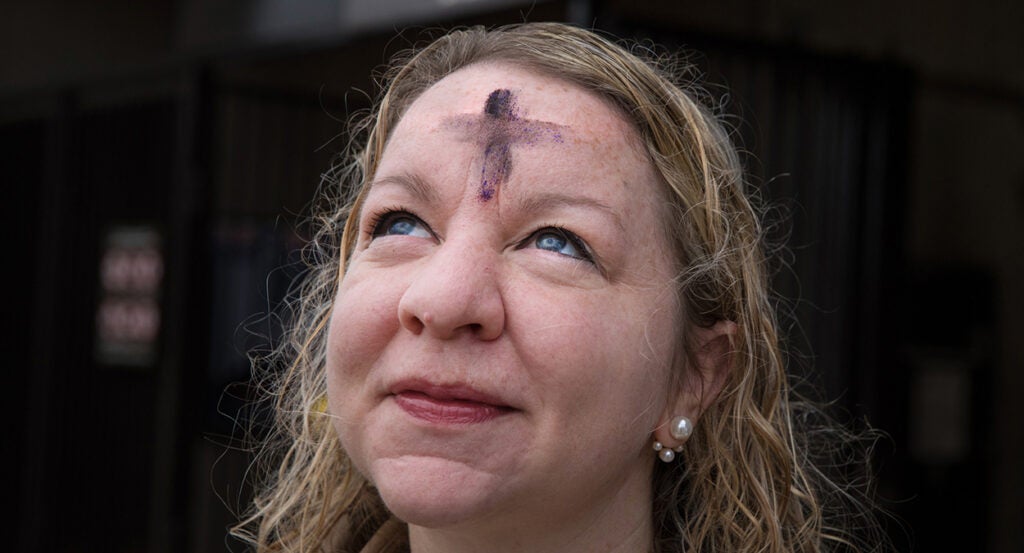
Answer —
(320, 407)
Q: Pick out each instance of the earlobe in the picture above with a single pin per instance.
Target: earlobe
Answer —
(710, 361)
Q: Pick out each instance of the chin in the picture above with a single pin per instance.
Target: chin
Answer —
(434, 492)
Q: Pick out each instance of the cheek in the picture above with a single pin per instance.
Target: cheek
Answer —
(604, 361)
(363, 319)
(632, 370)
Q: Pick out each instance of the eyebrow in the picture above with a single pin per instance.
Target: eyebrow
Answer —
(537, 202)
(411, 183)
(543, 201)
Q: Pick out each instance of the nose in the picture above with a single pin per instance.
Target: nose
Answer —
(456, 292)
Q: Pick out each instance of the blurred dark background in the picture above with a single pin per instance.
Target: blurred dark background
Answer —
(161, 154)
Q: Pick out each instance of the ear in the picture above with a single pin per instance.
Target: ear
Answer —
(707, 370)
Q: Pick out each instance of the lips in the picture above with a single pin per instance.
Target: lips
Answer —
(447, 404)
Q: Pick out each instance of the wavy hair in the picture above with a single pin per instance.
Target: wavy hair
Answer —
(750, 480)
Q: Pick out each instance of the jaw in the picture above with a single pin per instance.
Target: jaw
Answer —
(618, 520)
(435, 491)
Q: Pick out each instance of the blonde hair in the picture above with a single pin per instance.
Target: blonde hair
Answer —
(747, 481)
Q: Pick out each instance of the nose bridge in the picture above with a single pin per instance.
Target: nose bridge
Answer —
(456, 291)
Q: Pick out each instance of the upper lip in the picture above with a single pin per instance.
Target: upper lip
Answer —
(447, 392)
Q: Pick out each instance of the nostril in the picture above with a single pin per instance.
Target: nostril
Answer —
(413, 324)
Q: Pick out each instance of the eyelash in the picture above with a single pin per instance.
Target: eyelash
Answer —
(378, 218)
(574, 239)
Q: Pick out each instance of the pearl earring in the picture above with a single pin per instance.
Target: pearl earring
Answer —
(681, 428)
(664, 453)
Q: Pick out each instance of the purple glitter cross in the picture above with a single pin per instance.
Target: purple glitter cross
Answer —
(498, 129)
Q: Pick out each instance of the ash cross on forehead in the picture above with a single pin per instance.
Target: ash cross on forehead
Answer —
(498, 129)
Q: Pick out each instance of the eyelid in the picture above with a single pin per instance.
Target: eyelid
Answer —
(587, 254)
(372, 228)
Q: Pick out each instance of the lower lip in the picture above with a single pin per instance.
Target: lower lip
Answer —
(447, 411)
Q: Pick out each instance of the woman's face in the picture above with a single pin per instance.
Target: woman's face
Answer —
(501, 342)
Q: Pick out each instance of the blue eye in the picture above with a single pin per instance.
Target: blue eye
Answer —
(561, 242)
(400, 223)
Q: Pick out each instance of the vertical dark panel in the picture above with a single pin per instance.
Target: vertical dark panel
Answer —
(122, 177)
(88, 450)
(23, 150)
(180, 373)
(948, 352)
(51, 335)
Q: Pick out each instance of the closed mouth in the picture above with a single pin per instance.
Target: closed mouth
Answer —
(447, 404)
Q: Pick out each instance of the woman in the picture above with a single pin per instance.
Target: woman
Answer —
(541, 323)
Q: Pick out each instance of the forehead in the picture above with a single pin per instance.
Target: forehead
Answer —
(592, 143)
(587, 117)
